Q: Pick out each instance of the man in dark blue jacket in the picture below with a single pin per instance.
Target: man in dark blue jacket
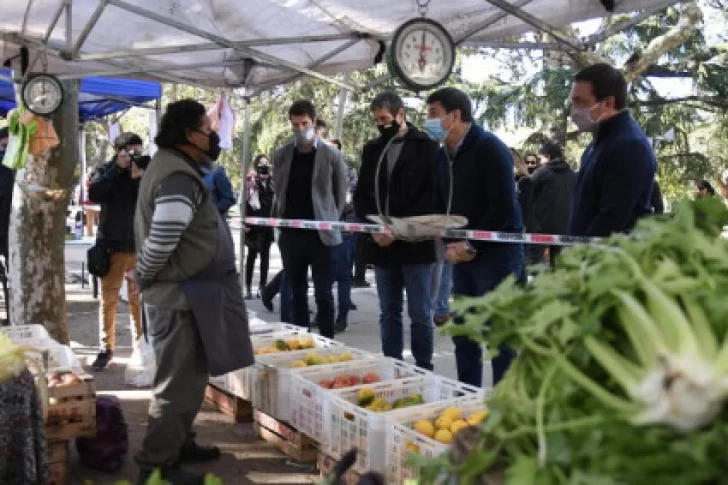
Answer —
(483, 190)
(617, 173)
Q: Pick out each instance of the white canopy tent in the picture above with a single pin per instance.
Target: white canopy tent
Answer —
(257, 44)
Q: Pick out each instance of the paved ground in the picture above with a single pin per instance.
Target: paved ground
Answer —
(246, 460)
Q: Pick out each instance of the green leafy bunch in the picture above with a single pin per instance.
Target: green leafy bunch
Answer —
(622, 371)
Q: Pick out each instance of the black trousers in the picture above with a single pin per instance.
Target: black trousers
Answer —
(250, 266)
(301, 250)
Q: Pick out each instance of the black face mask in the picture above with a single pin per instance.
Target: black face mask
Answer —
(214, 146)
(389, 132)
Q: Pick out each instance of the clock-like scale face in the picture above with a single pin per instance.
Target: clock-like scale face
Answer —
(42, 95)
(423, 53)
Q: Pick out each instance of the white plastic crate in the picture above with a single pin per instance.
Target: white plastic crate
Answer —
(259, 327)
(269, 380)
(401, 434)
(239, 383)
(269, 339)
(351, 426)
(309, 400)
(27, 333)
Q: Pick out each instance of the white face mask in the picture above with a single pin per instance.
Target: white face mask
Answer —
(582, 118)
(305, 136)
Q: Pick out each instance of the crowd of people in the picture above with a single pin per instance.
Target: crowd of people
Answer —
(162, 229)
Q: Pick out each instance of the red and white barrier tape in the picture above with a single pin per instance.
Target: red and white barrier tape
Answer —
(473, 235)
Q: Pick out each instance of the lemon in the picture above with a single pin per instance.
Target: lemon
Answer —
(477, 418)
(345, 357)
(453, 413)
(425, 427)
(443, 422)
(298, 364)
(443, 436)
(456, 426)
(412, 447)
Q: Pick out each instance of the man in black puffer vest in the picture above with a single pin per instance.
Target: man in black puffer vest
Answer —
(115, 186)
(404, 160)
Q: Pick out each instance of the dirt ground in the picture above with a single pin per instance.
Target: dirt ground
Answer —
(246, 459)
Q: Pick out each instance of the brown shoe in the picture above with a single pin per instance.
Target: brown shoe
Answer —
(441, 320)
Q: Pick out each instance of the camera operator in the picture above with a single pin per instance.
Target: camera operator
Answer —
(115, 186)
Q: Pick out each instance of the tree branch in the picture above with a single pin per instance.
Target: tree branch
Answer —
(717, 102)
(666, 72)
(690, 19)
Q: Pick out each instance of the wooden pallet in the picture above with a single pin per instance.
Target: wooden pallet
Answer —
(239, 409)
(72, 411)
(326, 466)
(284, 437)
(58, 462)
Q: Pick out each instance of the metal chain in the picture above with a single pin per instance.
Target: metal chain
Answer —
(422, 6)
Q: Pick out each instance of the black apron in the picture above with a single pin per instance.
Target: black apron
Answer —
(216, 299)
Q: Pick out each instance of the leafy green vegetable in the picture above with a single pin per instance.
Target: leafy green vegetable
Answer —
(622, 373)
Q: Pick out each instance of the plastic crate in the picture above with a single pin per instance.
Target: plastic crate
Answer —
(260, 327)
(308, 399)
(269, 339)
(401, 434)
(27, 333)
(351, 426)
(269, 380)
(239, 383)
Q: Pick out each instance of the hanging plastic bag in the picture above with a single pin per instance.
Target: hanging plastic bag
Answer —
(142, 364)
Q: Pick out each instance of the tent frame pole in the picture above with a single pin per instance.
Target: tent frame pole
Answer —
(244, 185)
(211, 46)
(87, 28)
(538, 24)
(489, 21)
(627, 23)
(224, 42)
(313, 65)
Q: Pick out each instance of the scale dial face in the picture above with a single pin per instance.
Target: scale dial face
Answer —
(42, 94)
(422, 54)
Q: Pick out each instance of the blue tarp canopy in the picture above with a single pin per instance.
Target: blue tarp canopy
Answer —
(99, 96)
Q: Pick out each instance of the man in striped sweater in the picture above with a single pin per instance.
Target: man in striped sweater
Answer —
(192, 295)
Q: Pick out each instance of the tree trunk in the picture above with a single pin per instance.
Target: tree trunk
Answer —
(37, 228)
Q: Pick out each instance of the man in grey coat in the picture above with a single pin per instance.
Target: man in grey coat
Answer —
(310, 182)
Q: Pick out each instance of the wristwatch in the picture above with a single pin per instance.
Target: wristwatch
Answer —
(470, 249)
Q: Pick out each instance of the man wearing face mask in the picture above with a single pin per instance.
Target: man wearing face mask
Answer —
(115, 186)
(192, 296)
(216, 179)
(474, 174)
(396, 179)
(309, 179)
(617, 172)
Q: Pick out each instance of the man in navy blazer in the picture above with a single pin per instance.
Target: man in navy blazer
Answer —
(483, 190)
(617, 173)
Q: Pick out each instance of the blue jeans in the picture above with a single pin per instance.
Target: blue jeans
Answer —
(343, 256)
(415, 280)
(301, 250)
(473, 279)
(441, 289)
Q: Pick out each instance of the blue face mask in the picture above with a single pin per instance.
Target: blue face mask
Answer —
(434, 129)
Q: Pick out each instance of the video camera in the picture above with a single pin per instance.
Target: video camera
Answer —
(141, 161)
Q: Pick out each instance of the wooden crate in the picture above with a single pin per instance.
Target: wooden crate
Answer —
(239, 409)
(326, 466)
(58, 462)
(284, 437)
(72, 410)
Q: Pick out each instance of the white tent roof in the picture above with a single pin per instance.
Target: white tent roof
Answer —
(260, 43)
